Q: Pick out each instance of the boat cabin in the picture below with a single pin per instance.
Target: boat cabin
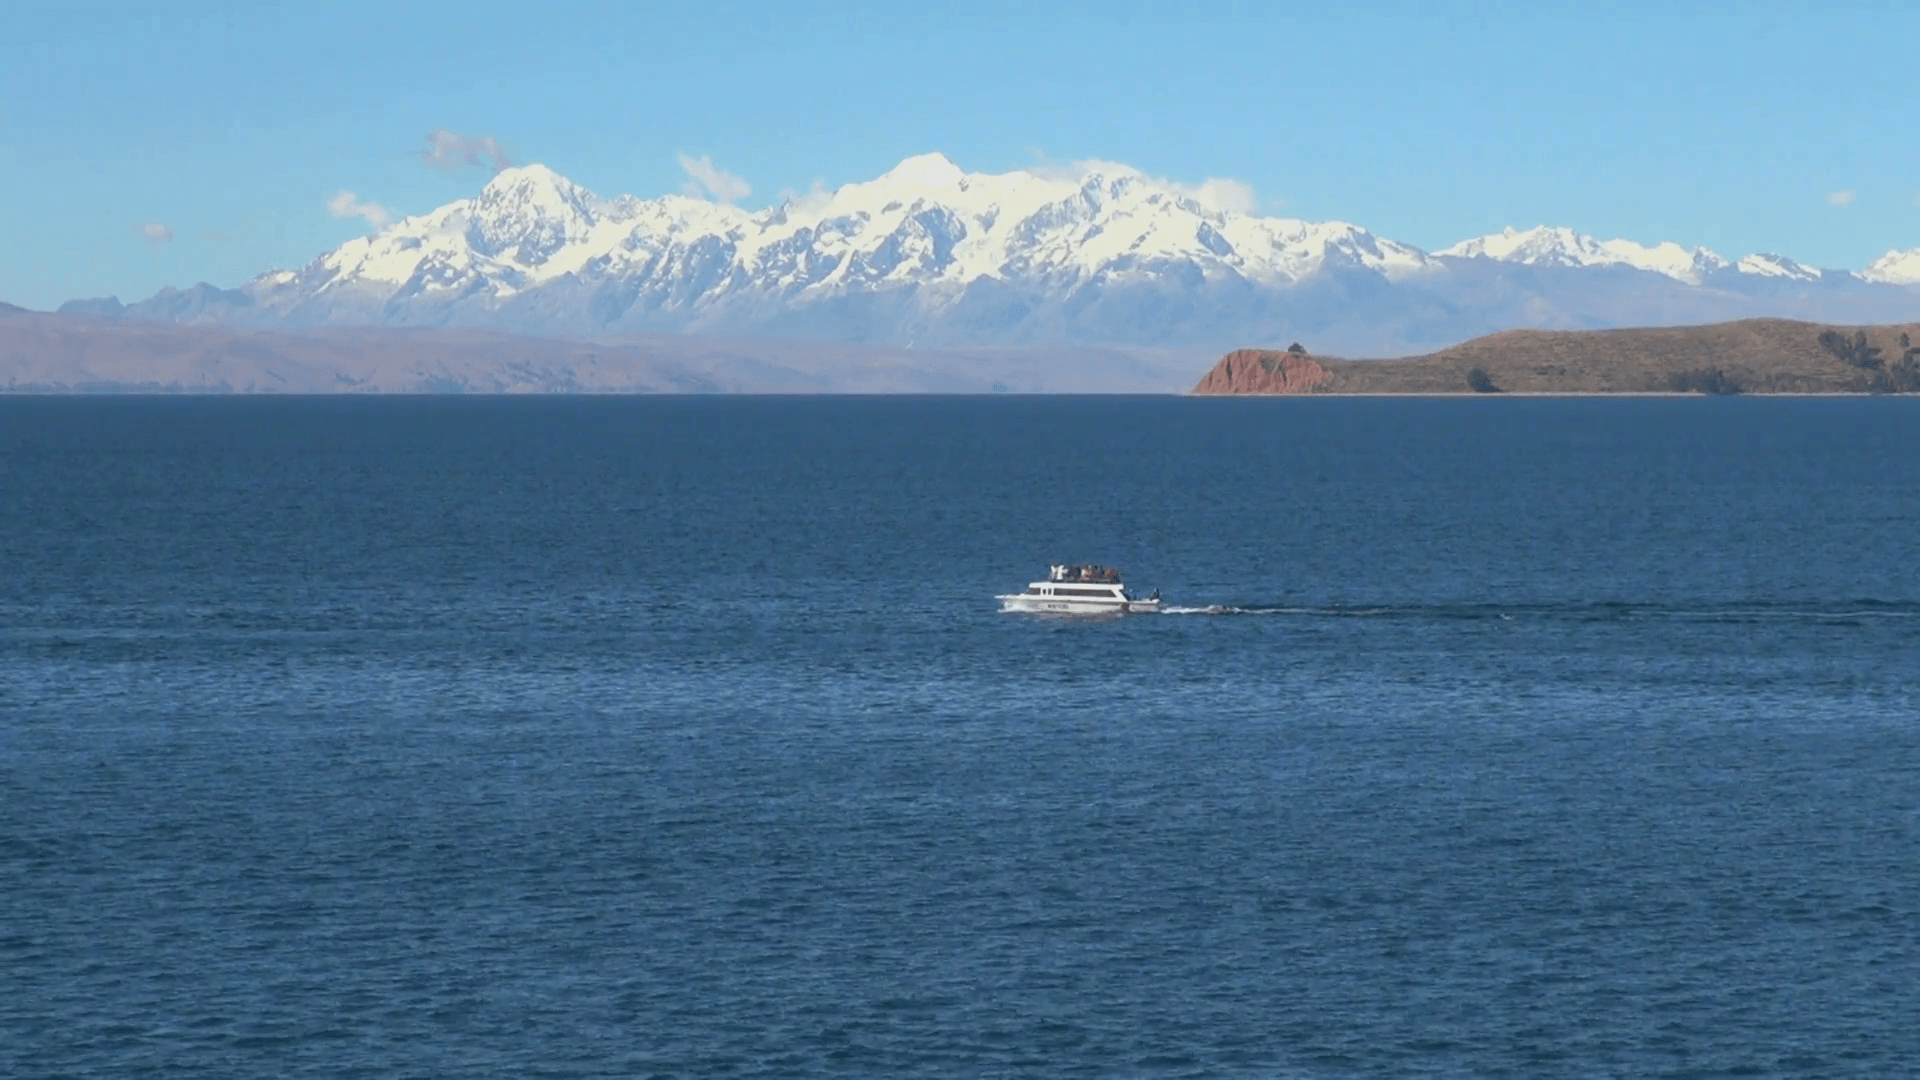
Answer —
(1082, 588)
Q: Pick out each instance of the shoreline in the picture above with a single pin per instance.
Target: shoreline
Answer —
(24, 393)
(1566, 394)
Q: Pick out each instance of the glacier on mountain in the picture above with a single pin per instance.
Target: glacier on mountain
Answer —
(933, 254)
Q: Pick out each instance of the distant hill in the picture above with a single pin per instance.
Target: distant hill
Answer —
(1757, 356)
(47, 353)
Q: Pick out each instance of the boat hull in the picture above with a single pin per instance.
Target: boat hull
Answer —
(1075, 605)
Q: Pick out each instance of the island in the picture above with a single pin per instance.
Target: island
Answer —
(1751, 356)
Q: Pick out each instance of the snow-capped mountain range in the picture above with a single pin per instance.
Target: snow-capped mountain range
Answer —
(933, 254)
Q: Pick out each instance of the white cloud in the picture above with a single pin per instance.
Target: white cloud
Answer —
(155, 233)
(809, 201)
(704, 178)
(1217, 193)
(1840, 198)
(346, 204)
(1074, 172)
(449, 151)
(1221, 193)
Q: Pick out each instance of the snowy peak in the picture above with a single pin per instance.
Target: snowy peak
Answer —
(1896, 267)
(534, 181)
(1561, 246)
(1691, 265)
(1537, 246)
(529, 213)
(928, 171)
(1768, 265)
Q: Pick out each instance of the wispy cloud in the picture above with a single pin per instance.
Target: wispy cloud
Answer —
(155, 233)
(809, 201)
(1221, 193)
(347, 204)
(707, 179)
(1217, 193)
(451, 151)
(1840, 198)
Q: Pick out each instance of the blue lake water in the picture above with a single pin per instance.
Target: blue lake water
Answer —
(681, 737)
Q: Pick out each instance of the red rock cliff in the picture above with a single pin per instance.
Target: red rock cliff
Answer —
(1262, 371)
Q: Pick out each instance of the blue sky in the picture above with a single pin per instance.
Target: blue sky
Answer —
(1737, 126)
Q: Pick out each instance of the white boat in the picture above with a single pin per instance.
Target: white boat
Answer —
(1080, 590)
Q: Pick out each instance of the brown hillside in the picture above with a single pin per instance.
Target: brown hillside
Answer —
(1764, 356)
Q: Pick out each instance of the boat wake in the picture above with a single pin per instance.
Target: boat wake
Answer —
(1225, 609)
(1844, 612)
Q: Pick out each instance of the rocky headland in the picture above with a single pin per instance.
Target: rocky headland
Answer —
(1258, 371)
(1755, 356)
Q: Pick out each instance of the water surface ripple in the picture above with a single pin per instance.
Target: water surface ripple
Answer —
(680, 737)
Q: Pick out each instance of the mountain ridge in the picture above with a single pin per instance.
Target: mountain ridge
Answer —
(930, 253)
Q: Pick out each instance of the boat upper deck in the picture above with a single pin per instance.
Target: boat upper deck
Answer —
(1093, 575)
